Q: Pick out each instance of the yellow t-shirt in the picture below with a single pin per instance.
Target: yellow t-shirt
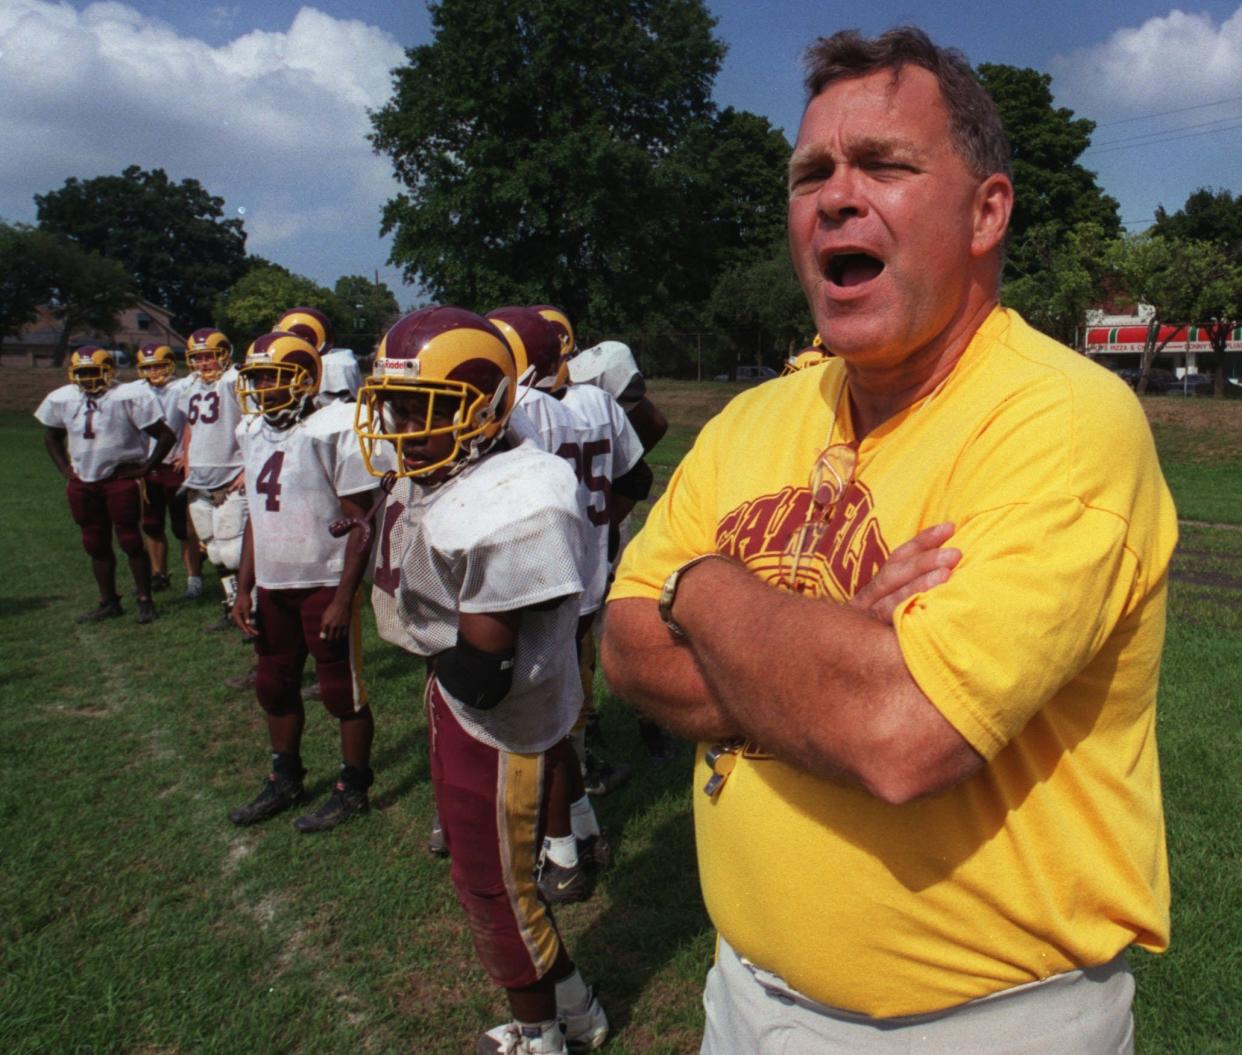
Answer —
(1042, 650)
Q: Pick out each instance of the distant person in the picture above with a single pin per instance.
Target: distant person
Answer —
(103, 438)
(214, 475)
(927, 805)
(163, 492)
(304, 470)
(341, 374)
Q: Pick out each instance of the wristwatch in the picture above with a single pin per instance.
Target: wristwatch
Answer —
(668, 592)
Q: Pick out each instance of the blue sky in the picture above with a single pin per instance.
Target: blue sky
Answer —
(266, 103)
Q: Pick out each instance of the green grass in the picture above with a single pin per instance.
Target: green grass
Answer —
(134, 918)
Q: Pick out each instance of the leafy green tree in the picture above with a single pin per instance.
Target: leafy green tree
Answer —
(25, 267)
(369, 307)
(86, 291)
(1070, 267)
(251, 306)
(1050, 186)
(762, 309)
(528, 136)
(171, 237)
(1208, 216)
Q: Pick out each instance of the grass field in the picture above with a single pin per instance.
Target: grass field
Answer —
(136, 919)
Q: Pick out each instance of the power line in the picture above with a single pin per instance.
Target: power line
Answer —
(1160, 142)
(1165, 131)
(1165, 113)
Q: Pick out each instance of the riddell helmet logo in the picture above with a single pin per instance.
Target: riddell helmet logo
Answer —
(849, 551)
(404, 368)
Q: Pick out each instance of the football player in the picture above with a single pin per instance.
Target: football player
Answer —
(213, 459)
(99, 436)
(157, 369)
(610, 365)
(574, 846)
(478, 571)
(341, 376)
(303, 470)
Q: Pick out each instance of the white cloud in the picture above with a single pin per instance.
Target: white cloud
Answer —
(1178, 59)
(272, 122)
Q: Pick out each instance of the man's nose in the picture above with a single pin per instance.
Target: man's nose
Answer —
(841, 195)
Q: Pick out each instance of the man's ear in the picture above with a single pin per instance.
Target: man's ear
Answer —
(993, 206)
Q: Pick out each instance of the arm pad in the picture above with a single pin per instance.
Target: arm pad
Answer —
(478, 679)
(635, 484)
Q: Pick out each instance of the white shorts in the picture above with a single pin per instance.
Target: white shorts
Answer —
(1084, 1012)
(220, 523)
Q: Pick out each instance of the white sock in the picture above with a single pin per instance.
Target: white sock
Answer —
(572, 993)
(194, 580)
(582, 819)
(562, 851)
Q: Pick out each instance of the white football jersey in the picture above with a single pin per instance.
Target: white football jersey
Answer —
(212, 413)
(610, 365)
(503, 534)
(104, 430)
(170, 400)
(294, 478)
(605, 447)
(340, 374)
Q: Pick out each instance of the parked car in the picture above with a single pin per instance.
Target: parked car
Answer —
(749, 373)
(1157, 380)
(1193, 385)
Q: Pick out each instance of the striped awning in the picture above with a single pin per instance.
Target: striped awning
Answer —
(1105, 339)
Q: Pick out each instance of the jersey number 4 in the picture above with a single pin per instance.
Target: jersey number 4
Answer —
(268, 482)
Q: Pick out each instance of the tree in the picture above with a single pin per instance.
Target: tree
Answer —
(1050, 186)
(370, 307)
(24, 276)
(762, 308)
(251, 306)
(1070, 266)
(528, 137)
(1208, 216)
(85, 291)
(171, 237)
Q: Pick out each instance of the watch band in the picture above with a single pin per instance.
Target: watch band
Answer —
(668, 592)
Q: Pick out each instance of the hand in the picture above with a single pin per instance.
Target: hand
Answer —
(181, 464)
(129, 471)
(911, 568)
(239, 481)
(242, 614)
(334, 624)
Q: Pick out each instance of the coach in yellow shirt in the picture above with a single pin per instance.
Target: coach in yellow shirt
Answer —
(940, 829)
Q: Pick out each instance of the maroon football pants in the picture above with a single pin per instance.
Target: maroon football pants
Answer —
(104, 506)
(288, 633)
(160, 498)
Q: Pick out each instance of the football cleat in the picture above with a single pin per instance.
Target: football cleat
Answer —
(513, 1038)
(279, 377)
(595, 852)
(92, 369)
(278, 794)
(311, 325)
(208, 353)
(536, 345)
(248, 680)
(342, 805)
(600, 777)
(193, 589)
(104, 610)
(585, 1030)
(156, 364)
(437, 845)
(160, 582)
(559, 885)
(218, 625)
(146, 611)
(440, 393)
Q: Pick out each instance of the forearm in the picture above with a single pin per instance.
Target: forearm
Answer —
(818, 684)
(246, 573)
(645, 665)
(54, 444)
(358, 544)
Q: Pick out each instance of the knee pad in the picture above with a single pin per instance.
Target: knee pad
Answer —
(129, 538)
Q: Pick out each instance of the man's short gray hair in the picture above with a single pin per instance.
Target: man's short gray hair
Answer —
(974, 122)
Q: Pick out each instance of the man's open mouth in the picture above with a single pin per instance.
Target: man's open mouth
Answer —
(853, 269)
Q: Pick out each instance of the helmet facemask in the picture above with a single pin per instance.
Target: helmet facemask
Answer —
(92, 372)
(209, 363)
(278, 391)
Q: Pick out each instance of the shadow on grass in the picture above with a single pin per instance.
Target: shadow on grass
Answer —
(20, 607)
